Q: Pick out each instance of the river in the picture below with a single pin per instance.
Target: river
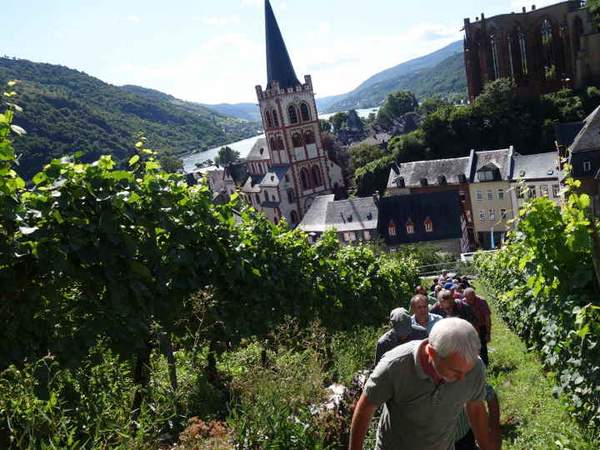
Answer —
(243, 147)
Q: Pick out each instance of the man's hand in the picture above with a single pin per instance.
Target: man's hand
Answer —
(480, 424)
(360, 422)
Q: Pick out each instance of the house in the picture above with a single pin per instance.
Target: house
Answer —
(434, 217)
(354, 219)
(288, 168)
(535, 176)
(584, 157)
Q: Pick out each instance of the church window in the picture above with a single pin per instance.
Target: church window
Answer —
(275, 119)
(577, 32)
(523, 51)
(297, 140)
(304, 179)
(304, 112)
(269, 120)
(428, 225)
(494, 60)
(273, 144)
(266, 196)
(391, 228)
(294, 217)
(309, 137)
(280, 145)
(293, 114)
(410, 227)
(548, 50)
(316, 176)
(257, 198)
(291, 196)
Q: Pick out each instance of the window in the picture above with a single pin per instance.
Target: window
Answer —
(500, 194)
(490, 194)
(350, 236)
(296, 140)
(266, 196)
(309, 137)
(494, 60)
(555, 190)
(428, 225)
(294, 217)
(291, 196)
(304, 179)
(410, 227)
(304, 112)
(587, 166)
(316, 176)
(492, 214)
(257, 198)
(391, 228)
(486, 175)
(479, 196)
(275, 119)
(503, 215)
(530, 191)
(292, 114)
(523, 51)
(273, 144)
(548, 50)
(269, 120)
(544, 190)
(482, 215)
(280, 145)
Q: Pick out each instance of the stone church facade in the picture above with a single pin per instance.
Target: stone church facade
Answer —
(542, 50)
(288, 168)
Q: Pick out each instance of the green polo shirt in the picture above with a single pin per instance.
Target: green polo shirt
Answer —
(418, 414)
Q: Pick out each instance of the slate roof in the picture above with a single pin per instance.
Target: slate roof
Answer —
(442, 208)
(255, 153)
(537, 166)
(252, 184)
(279, 64)
(352, 214)
(414, 172)
(501, 159)
(588, 138)
(274, 176)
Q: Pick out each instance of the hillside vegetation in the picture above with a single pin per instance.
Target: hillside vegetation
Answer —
(65, 110)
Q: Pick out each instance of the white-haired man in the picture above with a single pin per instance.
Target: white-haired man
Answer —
(423, 386)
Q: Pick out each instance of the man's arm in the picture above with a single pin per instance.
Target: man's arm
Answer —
(360, 422)
(478, 418)
(494, 413)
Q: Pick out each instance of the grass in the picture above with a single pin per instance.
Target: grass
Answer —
(531, 418)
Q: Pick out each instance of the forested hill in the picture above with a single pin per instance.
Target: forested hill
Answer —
(65, 111)
(440, 73)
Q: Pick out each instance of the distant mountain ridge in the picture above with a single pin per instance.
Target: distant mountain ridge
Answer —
(444, 65)
(65, 111)
(244, 111)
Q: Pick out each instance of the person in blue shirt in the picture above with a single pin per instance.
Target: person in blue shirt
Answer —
(419, 307)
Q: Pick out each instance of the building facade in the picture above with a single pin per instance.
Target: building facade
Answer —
(535, 176)
(542, 50)
(292, 169)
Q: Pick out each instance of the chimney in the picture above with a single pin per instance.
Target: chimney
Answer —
(524, 10)
(533, 7)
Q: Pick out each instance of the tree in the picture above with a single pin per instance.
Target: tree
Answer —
(362, 154)
(397, 104)
(226, 156)
(594, 7)
(338, 121)
(171, 163)
(354, 121)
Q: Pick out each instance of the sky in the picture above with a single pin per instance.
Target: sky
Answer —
(213, 51)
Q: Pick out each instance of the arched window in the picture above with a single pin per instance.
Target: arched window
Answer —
(296, 140)
(266, 196)
(294, 217)
(494, 62)
(391, 228)
(293, 114)
(273, 144)
(577, 33)
(275, 119)
(548, 50)
(522, 39)
(428, 225)
(257, 198)
(410, 227)
(269, 120)
(304, 112)
(291, 196)
(309, 137)
(280, 145)
(316, 176)
(304, 179)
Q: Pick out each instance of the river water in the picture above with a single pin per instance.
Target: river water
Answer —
(244, 146)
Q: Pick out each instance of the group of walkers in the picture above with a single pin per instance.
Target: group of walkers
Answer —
(429, 375)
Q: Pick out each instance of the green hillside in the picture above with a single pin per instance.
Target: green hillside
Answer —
(65, 110)
(445, 79)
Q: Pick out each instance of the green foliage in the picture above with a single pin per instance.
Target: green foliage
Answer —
(594, 7)
(338, 121)
(226, 156)
(67, 111)
(396, 105)
(362, 154)
(545, 285)
(373, 176)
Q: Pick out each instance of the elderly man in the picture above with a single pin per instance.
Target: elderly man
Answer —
(423, 386)
(402, 330)
(421, 315)
(482, 320)
(448, 306)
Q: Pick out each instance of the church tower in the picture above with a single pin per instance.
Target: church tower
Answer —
(292, 133)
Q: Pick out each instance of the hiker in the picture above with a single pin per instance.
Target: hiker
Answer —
(421, 315)
(432, 297)
(423, 386)
(402, 330)
(448, 306)
(483, 320)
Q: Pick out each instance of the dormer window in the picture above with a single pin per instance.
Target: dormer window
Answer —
(428, 225)
(410, 227)
(391, 228)
(424, 182)
(486, 175)
(442, 180)
(587, 166)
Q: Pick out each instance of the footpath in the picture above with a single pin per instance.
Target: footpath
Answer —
(531, 417)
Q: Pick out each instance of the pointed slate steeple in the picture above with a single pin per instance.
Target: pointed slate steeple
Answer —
(279, 65)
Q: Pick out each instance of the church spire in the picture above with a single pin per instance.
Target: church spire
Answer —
(279, 65)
